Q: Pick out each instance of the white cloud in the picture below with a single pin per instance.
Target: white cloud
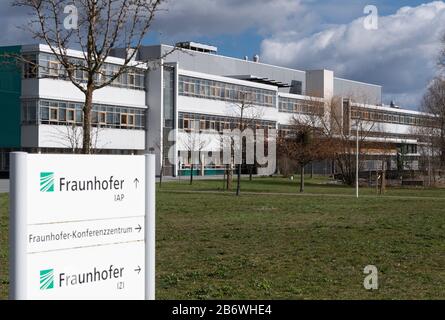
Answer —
(195, 18)
(303, 34)
(188, 19)
(12, 18)
(400, 55)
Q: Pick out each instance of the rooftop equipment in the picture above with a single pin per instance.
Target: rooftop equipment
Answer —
(199, 47)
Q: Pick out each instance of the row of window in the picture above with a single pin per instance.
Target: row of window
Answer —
(4, 160)
(208, 89)
(407, 149)
(44, 65)
(69, 113)
(289, 131)
(390, 117)
(291, 105)
(199, 122)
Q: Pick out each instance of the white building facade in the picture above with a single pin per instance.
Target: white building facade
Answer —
(190, 89)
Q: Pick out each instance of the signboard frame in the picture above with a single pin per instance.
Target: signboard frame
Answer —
(18, 231)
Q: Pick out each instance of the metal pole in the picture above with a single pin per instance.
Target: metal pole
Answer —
(18, 226)
(356, 165)
(430, 171)
(150, 226)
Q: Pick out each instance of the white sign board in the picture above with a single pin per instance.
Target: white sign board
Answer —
(82, 227)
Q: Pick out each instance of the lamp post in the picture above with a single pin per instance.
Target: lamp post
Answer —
(357, 161)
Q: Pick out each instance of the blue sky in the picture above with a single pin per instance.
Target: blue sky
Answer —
(248, 41)
(305, 34)
(312, 34)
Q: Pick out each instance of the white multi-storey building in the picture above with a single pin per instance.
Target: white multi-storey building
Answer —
(40, 110)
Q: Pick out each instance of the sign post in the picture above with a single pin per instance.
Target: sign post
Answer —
(150, 227)
(82, 227)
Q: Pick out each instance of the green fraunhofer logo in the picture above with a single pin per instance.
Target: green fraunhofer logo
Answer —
(47, 181)
(47, 279)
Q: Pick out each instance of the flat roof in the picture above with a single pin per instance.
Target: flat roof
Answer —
(262, 80)
(79, 54)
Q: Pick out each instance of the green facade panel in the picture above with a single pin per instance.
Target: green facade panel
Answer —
(10, 91)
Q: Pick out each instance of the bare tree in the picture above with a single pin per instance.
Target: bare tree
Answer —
(341, 126)
(385, 150)
(96, 28)
(226, 144)
(429, 161)
(434, 103)
(245, 115)
(431, 134)
(70, 137)
(304, 142)
(193, 143)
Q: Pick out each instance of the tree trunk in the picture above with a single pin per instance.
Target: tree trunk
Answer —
(238, 183)
(229, 177)
(224, 180)
(442, 143)
(302, 179)
(86, 146)
(383, 177)
(251, 173)
(377, 181)
(312, 170)
(191, 174)
(160, 176)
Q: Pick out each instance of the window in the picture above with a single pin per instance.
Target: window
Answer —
(53, 114)
(295, 105)
(102, 117)
(50, 67)
(61, 112)
(79, 115)
(131, 79)
(25, 109)
(98, 77)
(127, 120)
(124, 119)
(207, 89)
(131, 120)
(218, 123)
(32, 112)
(53, 68)
(70, 115)
(30, 67)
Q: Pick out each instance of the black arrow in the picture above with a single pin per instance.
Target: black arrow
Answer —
(136, 182)
(139, 228)
(138, 270)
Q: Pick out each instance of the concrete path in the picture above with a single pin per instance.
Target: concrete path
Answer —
(320, 195)
(186, 178)
(4, 186)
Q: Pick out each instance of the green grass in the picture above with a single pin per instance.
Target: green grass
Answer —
(218, 246)
(317, 185)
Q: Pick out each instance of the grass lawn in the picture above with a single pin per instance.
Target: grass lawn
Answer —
(214, 245)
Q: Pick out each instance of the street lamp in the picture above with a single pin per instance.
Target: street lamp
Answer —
(357, 159)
